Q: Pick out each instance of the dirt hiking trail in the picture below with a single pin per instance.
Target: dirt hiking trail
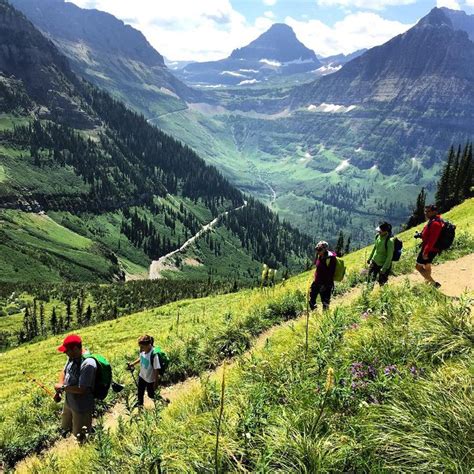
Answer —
(456, 278)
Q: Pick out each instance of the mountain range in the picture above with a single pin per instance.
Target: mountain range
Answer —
(277, 52)
(331, 153)
(90, 191)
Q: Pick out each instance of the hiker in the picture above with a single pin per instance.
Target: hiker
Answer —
(77, 382)
(323, 283)
(429, 236)
(380, 260)
(149, 375)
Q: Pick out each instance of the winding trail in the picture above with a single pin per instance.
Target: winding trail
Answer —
(157, 266)
(456, 278)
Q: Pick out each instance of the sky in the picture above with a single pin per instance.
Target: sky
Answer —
(205, 30)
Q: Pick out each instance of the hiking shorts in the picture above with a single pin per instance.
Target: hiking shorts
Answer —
(422, 261)
(74, 421)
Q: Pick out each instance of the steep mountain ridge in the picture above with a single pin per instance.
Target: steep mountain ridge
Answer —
(132, 191)
(428, 66)
(110, 54)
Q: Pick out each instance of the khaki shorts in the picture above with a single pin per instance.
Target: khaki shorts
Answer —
(74, 421)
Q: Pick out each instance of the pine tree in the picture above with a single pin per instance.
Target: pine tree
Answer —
(348, 246)
(41, 320)
(467, 173)
(443, 189)
(88, 315)
(79, 311)
(27, 325)
(340, 244)
(68, 314)
(418, 214)
(54, 322)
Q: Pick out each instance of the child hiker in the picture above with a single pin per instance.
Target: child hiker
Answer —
(149, 376)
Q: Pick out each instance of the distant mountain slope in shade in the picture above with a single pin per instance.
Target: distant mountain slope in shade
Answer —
(277, 52)
(109, 53)
(429, 66)
(340, 59)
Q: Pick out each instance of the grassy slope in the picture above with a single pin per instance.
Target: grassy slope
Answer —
(35, 248)
(201, 321)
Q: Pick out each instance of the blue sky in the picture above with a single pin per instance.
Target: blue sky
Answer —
(202, 30)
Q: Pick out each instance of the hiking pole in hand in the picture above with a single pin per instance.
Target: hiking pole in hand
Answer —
(131, 368)
(41, 385)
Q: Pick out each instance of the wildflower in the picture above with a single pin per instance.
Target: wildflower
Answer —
(354, 326)
(390, 370)
(372, 372)
(329, 380)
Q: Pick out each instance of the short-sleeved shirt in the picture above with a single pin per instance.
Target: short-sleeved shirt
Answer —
(147, 372)
(80, 372)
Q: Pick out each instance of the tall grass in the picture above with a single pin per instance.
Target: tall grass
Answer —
(375, 394)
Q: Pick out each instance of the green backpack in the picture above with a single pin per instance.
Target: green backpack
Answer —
(162, 357)
(340, 270)
(103, 376)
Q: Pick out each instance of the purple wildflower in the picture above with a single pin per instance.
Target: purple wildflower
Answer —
(390, 370)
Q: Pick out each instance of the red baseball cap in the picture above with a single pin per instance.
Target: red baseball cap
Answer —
(72, 339)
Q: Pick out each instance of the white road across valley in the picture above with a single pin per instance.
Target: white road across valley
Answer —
(157, 266)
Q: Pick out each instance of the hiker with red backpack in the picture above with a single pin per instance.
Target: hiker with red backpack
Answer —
(77, 382)
(151, 368)
(436, 236)
(323, 283)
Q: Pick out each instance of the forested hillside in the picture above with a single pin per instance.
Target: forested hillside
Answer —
(125, 191)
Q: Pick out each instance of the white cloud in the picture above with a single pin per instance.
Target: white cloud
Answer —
(270, 3)
(185, 30)
(269, 14)
(368, 4)
(355, 31)
(453, 4)
(207, 30)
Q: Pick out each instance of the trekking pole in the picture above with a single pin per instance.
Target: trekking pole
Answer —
(132, 371)
(41, 385)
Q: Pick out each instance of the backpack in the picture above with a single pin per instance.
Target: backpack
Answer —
(103, 376)
(340, 269)
(446, 237)
(397, 248)
(162, 357)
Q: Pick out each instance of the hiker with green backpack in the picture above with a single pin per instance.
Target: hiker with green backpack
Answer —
(77, 382)
(382, 255)
(152, 364)
(326, 267)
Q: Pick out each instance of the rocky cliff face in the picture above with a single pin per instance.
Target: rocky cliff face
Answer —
(27, 56)
(107, 52)
(428, 66)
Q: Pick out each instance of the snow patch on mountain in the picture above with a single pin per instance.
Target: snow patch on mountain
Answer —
(342, 166)
(232, 73)
(269, 62)
(328, 69)
(331, 108)
(247, 81)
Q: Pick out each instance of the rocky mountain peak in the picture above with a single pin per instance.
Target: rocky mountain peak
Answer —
(278, 43)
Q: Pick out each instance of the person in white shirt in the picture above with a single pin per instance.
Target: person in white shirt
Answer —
(149, 376)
